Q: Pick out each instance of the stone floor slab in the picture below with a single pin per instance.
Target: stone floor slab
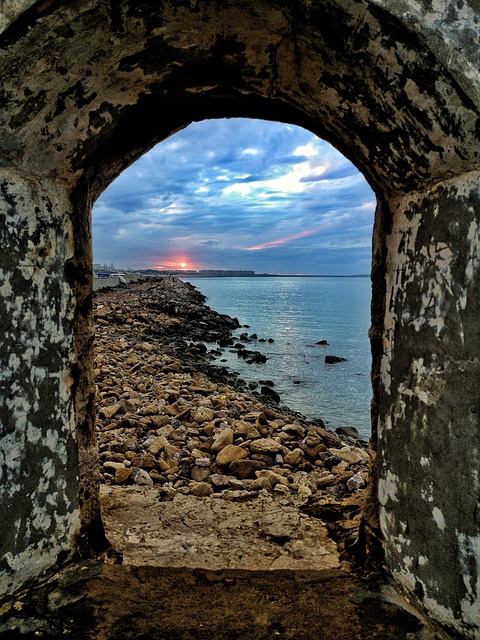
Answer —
(265, 533)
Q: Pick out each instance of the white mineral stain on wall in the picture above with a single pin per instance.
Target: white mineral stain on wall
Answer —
(388, 488)
(428, 384)
(469, 552)
(439, 518)
(427, 492)
(473, 238)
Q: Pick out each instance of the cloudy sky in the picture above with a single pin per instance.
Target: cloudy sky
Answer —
(238, 194)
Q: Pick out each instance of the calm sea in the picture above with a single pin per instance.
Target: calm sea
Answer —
(298, 312)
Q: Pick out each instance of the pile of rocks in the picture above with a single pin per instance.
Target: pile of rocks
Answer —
(166, 416)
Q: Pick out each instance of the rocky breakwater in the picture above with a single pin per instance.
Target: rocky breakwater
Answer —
(166, 416)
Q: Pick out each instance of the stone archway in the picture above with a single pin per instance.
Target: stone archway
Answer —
(88, 87)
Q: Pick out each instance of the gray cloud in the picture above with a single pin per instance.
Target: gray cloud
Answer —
(217, 188)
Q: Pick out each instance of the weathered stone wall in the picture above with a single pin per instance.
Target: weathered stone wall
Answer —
(86, 87)
(429, 450)
(39, 510)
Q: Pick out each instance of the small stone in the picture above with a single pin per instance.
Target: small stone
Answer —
(122, 475)
(199, 475)
(270, 393)
(230, 453)
(304, 490)
(245, 429)
(263, 457)
(157, 445)
(157, 477)
(245, 468)
(355, 483)
(171, 410)
(220, 481)
(141, 477)
(336, 489)
(201, 489)
(203, 414)
(330, 461)
(272, 477)
(281, 488)
(294, 457)
(266, 445)
(113, 465)
(145, 461)
(209, 428)
(261, 483)
(203, 462)
(111, 411)
(222, 439)
(340, 467)
(162, 465)
(348, 455)
(312, 445)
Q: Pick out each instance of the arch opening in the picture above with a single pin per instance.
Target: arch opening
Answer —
(242, 180)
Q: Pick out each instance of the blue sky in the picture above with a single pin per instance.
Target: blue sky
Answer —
(238, 194)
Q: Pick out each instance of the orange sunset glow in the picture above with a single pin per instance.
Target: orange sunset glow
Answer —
(181, 265)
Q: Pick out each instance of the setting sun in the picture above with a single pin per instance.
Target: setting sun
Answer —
(180, 265)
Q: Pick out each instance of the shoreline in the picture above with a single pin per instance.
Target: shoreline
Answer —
(167, 416)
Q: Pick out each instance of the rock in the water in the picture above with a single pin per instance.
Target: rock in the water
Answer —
(252, 357)
(351, 432)
(270, 393)
(334, 359)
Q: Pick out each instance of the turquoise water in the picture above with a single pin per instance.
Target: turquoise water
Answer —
(298, 312)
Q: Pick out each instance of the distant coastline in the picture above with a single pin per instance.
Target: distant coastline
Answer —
(217, 273)
(180, 274)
